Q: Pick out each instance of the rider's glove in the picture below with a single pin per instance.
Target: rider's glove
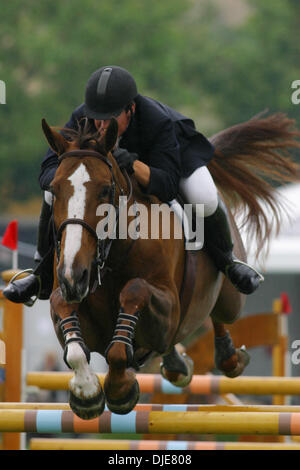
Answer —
(125, 159)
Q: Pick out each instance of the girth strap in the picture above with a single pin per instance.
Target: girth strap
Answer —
(188, 281)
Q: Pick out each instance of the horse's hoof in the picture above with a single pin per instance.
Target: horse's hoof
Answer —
(89, 408)
(125, 405)
(181, 380)
(243, 360)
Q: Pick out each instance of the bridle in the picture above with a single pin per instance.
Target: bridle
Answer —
(103, 245)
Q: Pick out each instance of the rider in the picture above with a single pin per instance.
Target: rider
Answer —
(167, 155)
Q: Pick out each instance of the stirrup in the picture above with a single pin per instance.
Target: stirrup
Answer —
(237, 261)
(31, 302)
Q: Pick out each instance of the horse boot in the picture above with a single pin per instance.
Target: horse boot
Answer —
(39, 283)
(219, 245)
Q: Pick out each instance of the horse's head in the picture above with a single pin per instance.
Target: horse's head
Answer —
(83, 180)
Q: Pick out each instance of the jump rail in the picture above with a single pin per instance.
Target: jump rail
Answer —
(160, 422)
(200, 384)
(162, 407)
(115, 444)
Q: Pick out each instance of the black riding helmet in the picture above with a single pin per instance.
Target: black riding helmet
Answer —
(109, 90)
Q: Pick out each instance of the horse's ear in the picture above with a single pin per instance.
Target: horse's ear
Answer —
(111, 135)
(56, 141)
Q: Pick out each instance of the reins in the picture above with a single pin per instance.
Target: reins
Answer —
(103, 245)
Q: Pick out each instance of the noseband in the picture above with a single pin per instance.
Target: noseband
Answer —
(103, 246)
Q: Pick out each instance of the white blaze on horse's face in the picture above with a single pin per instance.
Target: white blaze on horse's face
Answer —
(76, 209)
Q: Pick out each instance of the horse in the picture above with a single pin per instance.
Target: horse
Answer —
(120, 297)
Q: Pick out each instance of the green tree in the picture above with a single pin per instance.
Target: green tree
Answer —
(49, 49)
(246, 68)
(182, 52)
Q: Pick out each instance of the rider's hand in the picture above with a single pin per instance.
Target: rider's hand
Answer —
(125, 159)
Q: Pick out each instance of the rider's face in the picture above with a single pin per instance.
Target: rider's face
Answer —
(123, 121)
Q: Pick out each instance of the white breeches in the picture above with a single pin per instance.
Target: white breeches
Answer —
(199, 188)
(48, 197)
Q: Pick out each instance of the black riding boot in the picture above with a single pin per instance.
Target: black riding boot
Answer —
(219, 245)
(40, 282)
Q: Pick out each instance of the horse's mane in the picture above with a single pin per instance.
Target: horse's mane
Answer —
(84, 136)
(250, 160)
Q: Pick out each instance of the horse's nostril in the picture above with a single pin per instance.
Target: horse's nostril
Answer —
(75, 285)
(66, 290)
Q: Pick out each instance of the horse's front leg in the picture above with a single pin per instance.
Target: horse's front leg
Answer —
(86, 395)
(152, 312)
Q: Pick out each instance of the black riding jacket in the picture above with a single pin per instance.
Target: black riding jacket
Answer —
(163, 138)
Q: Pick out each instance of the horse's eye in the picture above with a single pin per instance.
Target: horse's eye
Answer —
(104, 192)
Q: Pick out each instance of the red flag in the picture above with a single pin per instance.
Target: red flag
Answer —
(286, 305)
(10, 237)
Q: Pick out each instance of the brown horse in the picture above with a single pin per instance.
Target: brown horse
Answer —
(120, 297)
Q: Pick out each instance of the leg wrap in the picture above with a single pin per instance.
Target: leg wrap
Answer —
(126, 338)
(74, 328)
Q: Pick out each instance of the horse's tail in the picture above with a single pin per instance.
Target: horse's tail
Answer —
(249, 157)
